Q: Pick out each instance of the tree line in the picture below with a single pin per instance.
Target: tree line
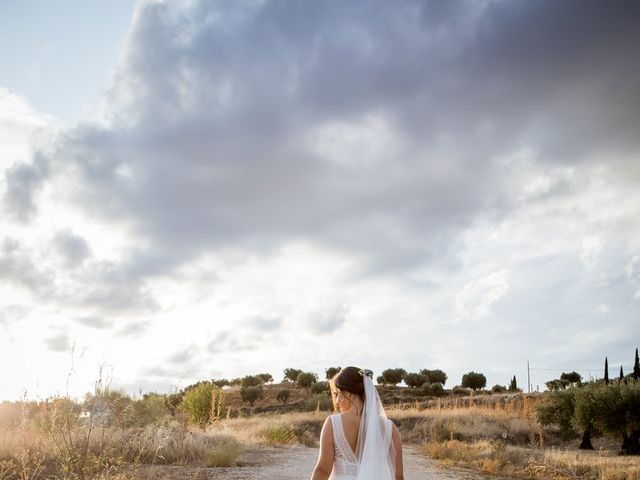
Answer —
(600, 407)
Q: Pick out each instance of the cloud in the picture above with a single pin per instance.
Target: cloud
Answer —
(442, 160)
(355, 113)
(16, 267)
(59, 342)
(181, 356)
(476, 297)
(265, 324)
(329, 320)
(72, 247)
(133, 329)
(226, 341)
(95, 322)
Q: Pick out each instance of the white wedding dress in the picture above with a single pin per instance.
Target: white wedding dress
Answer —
(345, 466)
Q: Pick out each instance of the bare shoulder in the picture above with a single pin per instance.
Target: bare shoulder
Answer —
(328, 425)
(395, 433)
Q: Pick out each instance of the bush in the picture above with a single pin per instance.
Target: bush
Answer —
(266, 377)
(291, 374)
(278, 434)
(306, 379)
(251, 381)
(473, 380)
(201, 400)
(224, 453)
(283, 395)
(320, 401)
(615, 410)
(458, 390)
(223, 382)
(320, 387)
(415, 380)
(151, 408)
(393, 376)
(557, 408)
(435, 376)
(251, 394)
(574, 378)
(331, 372)
(437, 389)
(498, 388)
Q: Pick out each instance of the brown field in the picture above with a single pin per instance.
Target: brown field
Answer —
(492, 434)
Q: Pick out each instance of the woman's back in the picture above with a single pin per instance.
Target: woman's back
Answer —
(345, 462)
(351, 426)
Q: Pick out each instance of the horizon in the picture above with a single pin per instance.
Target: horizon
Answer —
(201, 190)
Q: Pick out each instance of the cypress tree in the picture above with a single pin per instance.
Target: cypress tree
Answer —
(621, 373)
(636, 367)
(606, 370)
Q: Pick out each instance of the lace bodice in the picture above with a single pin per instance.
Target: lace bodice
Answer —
(345, 465)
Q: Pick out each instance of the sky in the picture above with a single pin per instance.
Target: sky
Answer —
(194, 189)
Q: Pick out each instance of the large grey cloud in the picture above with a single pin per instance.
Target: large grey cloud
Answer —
(213, 106)
(386, 131)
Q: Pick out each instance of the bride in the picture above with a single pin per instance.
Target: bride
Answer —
(360, 442)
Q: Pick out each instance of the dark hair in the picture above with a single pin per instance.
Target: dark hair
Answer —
(349, 379)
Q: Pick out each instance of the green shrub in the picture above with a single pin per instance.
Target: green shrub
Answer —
(320, 401)
(279, 434)
(415, 380)
(251, 394)
(291, 374)
(283, 395)
(498, 388)
(251, 381)
(203, 402)
(393, 376)
(150, 408)
(266, 377)
(437, 389)
(435, 376)
(474, 380)
(320, 387)
(557, 408)
(306, 379)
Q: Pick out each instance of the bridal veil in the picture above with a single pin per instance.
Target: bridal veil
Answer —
(375, 452)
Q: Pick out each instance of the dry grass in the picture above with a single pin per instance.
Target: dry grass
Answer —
(300, 428)
(513, 421)
(491, 457)
(26, 453)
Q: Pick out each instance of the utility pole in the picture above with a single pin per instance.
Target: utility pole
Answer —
(528, 378)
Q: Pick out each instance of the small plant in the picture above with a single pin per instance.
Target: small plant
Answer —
(283, 395)
(251, 394)
(278, 434)
(225, 453)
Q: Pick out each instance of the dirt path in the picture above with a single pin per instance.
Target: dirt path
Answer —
(297, 463)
